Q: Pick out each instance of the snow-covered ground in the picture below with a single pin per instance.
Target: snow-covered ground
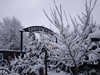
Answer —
(55, 73)
(50, 73)
(60, 73)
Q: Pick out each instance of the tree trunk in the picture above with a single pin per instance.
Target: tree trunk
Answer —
(76, 73)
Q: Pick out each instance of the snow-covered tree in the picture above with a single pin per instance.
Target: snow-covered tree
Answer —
(73, 46)
(9, 33)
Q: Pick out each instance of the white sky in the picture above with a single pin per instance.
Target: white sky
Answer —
(30, 13)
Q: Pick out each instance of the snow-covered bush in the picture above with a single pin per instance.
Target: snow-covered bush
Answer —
(32, 63)
(28, 65)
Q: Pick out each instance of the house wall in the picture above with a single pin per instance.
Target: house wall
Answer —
(9, 53)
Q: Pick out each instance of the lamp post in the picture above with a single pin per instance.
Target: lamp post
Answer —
(21, 43)
(45, 61)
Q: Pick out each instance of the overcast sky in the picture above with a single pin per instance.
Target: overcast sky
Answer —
(30, 13)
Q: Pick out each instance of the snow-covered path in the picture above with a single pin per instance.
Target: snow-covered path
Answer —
(54, 73)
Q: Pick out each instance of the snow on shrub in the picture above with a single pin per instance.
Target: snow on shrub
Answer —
(32, 62)
(28, 65)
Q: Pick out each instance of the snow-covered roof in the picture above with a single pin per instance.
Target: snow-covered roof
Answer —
(10, 50)
(96, 34)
